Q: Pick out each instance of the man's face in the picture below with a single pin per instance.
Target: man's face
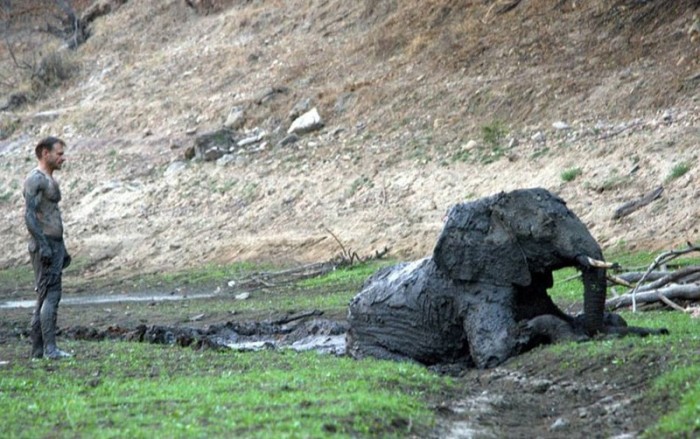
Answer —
(54, 158)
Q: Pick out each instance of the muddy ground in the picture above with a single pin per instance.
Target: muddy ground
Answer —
(538, 394)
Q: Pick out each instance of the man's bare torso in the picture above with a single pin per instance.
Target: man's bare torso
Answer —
(42, 194)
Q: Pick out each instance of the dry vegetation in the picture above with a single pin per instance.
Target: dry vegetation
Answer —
(426, 103)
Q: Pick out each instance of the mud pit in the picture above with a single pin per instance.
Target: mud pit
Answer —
(537, 394)
(301, 332)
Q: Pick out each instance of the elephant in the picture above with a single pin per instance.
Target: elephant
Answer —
(481, 297)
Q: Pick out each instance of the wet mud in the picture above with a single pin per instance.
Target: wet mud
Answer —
(301, 332)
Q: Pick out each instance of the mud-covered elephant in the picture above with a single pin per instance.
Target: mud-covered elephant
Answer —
(482, 296)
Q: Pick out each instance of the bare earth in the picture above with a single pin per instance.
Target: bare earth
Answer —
(409, 92)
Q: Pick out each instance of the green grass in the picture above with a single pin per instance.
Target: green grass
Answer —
(138, 390)
(570, 174)
(116, 389)
(678, 171)
(678, 388)
(676, 391)
(684, 421)
(16, 278)
(207, 275)
(493, 134)
(355, 274)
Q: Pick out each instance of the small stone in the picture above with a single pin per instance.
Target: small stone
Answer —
(470, 145)
(667, 116)
(242, 296)
(561, 125)
(235, 119)
(539, 137)
(309, 121)
(559, 424)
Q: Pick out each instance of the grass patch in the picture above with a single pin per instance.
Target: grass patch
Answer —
(206, 276)
(354, 275)
(16, 278)
(678, 171)
(570, 174)
(136, 390)
(357, 185)
(684, 420)
(676, 390)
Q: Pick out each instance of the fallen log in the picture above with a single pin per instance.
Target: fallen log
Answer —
(678, 277)
(634, 205)
(660, 260)
(683, 292)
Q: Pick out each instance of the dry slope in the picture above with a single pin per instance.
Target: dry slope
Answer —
(426, 103)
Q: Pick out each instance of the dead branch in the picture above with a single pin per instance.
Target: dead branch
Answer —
(618, 280)
(636, 276)
(684, 292)
(278, 278)
(619, 131)
(632, 206)
(661, 259)
(675, 277)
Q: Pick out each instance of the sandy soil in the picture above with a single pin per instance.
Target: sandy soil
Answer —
(425, 105)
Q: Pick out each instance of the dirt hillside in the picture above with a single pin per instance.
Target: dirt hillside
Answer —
(424, 103)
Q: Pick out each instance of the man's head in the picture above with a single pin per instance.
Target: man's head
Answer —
(50, 153)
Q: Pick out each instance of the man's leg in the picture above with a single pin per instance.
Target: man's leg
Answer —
(49, 308)
(37, 339)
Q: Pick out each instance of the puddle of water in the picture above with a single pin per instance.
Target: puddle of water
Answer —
(92, 300)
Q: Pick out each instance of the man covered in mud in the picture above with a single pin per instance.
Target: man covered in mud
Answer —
(46, 248)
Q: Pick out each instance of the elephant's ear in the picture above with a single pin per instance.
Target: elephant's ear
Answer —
(476, 245)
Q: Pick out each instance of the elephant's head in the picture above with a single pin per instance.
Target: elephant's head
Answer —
(511, 238)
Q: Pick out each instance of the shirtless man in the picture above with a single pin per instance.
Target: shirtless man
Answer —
(46, 249)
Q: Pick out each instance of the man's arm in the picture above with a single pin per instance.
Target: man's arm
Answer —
(33, 192)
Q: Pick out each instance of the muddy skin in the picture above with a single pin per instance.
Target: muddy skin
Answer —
(47, 252)
(482, 296)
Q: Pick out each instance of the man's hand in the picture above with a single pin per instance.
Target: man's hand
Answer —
(45, 254)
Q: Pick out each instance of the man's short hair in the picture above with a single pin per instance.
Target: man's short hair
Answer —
(47, 144)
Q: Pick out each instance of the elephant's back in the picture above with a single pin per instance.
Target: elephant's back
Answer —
(407, 311)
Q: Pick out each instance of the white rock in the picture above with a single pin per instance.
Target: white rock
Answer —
(470, 145)
(235, 119)
(561, 125)
(307, 122)
(539, 137)
(559, 424)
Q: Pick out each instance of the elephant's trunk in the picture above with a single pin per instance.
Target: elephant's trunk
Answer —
(594, 289)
